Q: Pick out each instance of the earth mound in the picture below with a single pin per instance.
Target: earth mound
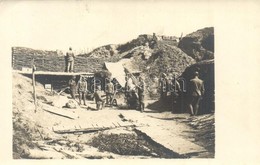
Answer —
(199, 45)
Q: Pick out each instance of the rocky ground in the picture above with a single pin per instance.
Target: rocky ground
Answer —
(110, 133)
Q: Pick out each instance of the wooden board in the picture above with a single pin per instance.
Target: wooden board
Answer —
(87, 130)
(59, 112)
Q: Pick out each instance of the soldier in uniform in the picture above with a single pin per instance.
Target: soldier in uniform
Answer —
(70, 60)
(98, 95)
(130, 93)
(175, 92)
(196, 91)
(109, 92)
(82, 90)
(73, 86)
(163, 87)
(141, 88)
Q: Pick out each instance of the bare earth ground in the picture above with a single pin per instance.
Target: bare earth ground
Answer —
(125, 133)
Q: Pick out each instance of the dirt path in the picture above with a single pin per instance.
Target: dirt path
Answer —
(160, 128)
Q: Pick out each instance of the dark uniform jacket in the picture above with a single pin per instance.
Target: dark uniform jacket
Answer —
(72, 84)
(82, 86)
(70, 56)
(141, 88)
(196, 87)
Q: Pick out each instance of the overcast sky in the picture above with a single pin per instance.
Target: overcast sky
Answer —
(55, 25)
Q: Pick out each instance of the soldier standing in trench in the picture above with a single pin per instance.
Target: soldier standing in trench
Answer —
(82, 90)
(130, 93)
(73, 86)
(98, 95)
(196, 91)
(163, 86)
(141, 88)
(109, 92)
(175, 92)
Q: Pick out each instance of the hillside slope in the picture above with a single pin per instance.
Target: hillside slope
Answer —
(199, 45)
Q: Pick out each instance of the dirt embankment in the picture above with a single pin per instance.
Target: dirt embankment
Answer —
(199, 45)
(107, 51)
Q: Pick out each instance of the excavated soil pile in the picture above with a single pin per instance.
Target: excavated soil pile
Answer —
(131, 144)
(168, 59)
(107, 51)
(199, 45)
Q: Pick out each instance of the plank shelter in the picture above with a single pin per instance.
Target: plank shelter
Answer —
(57, 81)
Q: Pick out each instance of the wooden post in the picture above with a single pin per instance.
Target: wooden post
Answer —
(94, 84)
(34, 91)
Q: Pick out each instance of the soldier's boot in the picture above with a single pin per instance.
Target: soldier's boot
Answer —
(98, 106)
(142, 107)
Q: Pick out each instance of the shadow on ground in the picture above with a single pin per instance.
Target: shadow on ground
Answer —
(159, 106)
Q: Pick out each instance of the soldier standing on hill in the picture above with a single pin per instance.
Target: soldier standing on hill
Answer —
(196, 91)
(70, 60)
(153, 41)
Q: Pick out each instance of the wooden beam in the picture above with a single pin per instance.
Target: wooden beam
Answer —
(89, 130)
(57, 73)
(83, 130)
(59, 112)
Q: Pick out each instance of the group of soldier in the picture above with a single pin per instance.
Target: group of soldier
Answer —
(169, 86)
(82, 89)
(135, 91)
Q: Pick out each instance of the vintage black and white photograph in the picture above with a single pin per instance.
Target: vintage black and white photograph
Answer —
(112, 80)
